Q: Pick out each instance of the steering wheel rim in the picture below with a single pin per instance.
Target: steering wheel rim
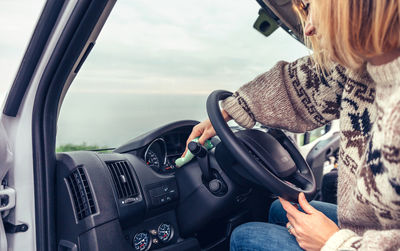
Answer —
(259, 173)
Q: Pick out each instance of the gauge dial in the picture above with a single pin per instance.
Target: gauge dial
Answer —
(165, 232)
(152, 160)
(142, 241)
(155, 155)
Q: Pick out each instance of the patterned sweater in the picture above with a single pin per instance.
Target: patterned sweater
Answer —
(292, 96)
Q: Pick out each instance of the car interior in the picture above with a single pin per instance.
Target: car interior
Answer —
(134, 197)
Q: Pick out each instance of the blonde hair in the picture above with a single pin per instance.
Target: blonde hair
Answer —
(350, 31)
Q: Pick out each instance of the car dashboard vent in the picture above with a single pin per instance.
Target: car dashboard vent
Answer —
(124, 182)
(81, 193)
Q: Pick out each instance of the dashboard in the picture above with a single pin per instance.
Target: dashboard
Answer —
(135, 199)
(130, 194)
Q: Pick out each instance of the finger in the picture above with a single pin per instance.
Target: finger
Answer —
(297, 228)
(195, 133)
(204, 137)
(292, 220)
(305, 205)
(291, 229)
(289, 208)
(293, 232)
(184, 153)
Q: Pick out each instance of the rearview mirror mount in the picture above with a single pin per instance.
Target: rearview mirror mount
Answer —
(265, 24)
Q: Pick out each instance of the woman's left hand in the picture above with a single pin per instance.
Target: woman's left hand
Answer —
(312, 228)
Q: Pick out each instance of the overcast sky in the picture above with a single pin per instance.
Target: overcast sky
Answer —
(179, 41)
(188, 46)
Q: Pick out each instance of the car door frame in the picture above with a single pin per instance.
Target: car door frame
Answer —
(65, 34)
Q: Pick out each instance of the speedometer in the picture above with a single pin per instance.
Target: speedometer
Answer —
(155, 155)
(152, 160)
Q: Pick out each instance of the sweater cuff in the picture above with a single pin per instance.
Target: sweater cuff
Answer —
(237, 112)
(337, 241)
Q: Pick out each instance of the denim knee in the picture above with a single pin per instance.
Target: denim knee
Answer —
(247, 236)
(262, 236)
(277, 215)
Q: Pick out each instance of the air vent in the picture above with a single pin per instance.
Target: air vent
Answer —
(123, 180)
(81, 193)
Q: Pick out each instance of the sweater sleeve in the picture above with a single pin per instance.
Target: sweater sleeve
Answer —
(371, 240)
(290, 96)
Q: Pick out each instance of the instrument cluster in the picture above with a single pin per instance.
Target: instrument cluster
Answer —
(162, 152)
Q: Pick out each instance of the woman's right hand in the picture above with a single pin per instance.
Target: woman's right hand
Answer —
(204, 130)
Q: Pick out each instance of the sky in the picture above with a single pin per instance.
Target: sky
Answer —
(207, 35)
(206, 44)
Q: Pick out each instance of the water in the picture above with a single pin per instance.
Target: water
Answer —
(113, 119)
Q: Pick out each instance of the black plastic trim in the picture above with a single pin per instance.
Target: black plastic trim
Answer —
(32, 55)
(75, 36)
(190, 244)
(88, 50)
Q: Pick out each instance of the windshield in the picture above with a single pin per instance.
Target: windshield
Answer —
(156, 62)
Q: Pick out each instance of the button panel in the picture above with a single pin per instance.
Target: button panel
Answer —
(163, 193)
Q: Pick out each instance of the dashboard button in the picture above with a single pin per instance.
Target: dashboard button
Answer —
(165, 189)
(163, 200)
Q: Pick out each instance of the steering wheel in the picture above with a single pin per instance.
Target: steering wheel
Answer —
(271, 159)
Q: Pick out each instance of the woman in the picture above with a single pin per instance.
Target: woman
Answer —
(364, 36)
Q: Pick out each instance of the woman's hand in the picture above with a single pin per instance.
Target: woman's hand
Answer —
(311, 229)
(204, 130)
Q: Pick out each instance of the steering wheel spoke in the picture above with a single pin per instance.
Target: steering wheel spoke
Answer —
(300, 180)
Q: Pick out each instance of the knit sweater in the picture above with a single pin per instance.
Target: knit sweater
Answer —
(292, 96)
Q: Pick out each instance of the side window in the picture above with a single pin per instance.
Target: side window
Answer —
(18, 20)
(310, 136)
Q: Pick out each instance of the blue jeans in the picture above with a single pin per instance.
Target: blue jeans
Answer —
(273, 235)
